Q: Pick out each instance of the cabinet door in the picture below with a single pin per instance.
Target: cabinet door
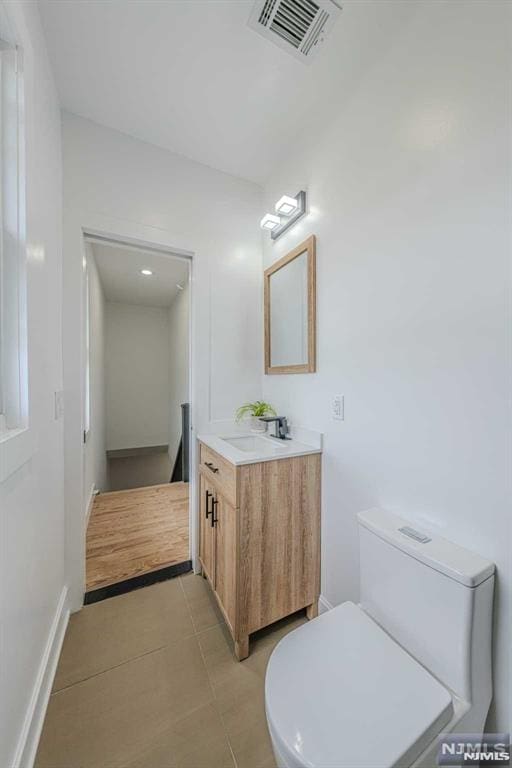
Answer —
(226, 556)
(206, 530)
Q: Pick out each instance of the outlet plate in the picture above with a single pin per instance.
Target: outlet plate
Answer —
(338, 408)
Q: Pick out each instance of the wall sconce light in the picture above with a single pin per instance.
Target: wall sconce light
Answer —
(291, 209)
(286, 205)
(269, 221)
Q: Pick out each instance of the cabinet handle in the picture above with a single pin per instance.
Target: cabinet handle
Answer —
(208, 497)
(214, 507)
(210, 466)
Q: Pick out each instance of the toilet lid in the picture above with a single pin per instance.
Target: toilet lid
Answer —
(341, 693)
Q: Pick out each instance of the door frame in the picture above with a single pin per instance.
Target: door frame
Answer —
(74, 316)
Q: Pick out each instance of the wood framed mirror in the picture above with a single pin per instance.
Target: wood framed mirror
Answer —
(290, 311)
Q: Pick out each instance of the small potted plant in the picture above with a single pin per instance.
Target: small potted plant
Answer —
(255, 411)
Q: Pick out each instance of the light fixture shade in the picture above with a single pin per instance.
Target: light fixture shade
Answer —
(269, 221)
(286, 205)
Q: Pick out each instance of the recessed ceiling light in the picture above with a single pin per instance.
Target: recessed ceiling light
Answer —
(269, 221)
(286, 205)
(146, 272)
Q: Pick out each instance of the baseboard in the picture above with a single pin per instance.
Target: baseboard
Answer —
(145, 450)
(324, 605)
(90, 502)
(29, 738)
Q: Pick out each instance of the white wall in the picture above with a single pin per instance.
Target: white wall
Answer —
(31, 499)
(137, 375)
(178, 315)
(409, 191)
(95, 457)
(121, 186)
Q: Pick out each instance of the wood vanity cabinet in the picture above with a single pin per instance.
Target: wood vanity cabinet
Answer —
(259, 543)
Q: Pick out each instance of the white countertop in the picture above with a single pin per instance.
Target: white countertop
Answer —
(253, 448)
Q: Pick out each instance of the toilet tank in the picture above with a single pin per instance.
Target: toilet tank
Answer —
(433, 597)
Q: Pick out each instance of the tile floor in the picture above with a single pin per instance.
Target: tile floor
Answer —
(149, 680)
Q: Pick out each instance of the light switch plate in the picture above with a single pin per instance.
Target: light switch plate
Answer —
(338, 407)
(58, 404)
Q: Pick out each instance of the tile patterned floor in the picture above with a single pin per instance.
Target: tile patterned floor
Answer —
(149, 680)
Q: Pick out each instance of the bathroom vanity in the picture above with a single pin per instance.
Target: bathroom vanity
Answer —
(259, 529)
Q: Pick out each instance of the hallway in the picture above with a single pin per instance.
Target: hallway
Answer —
(149, 680)
(135, 532)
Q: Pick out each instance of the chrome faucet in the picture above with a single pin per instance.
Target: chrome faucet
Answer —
(281, 426)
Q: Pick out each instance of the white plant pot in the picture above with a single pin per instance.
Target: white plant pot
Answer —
(257, 426)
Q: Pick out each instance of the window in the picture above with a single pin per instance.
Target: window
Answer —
(13, 347)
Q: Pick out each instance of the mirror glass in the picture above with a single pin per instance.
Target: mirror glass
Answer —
(289, 313)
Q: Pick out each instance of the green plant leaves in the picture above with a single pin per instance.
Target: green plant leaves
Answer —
(256, 409)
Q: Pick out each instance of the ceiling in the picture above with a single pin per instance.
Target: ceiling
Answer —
(191, 76)
(120, 274)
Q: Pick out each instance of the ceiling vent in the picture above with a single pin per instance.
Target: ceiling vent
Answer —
(297, 26)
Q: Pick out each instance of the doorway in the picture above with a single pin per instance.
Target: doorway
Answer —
(136, 416)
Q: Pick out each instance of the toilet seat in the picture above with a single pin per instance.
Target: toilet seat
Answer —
(338, 686)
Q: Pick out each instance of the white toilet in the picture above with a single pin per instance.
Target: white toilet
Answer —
(374, 684)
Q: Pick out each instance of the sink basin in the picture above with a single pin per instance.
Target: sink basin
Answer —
(253, 444)
(241, 449)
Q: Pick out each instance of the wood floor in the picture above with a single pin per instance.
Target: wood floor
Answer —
(135, 532)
